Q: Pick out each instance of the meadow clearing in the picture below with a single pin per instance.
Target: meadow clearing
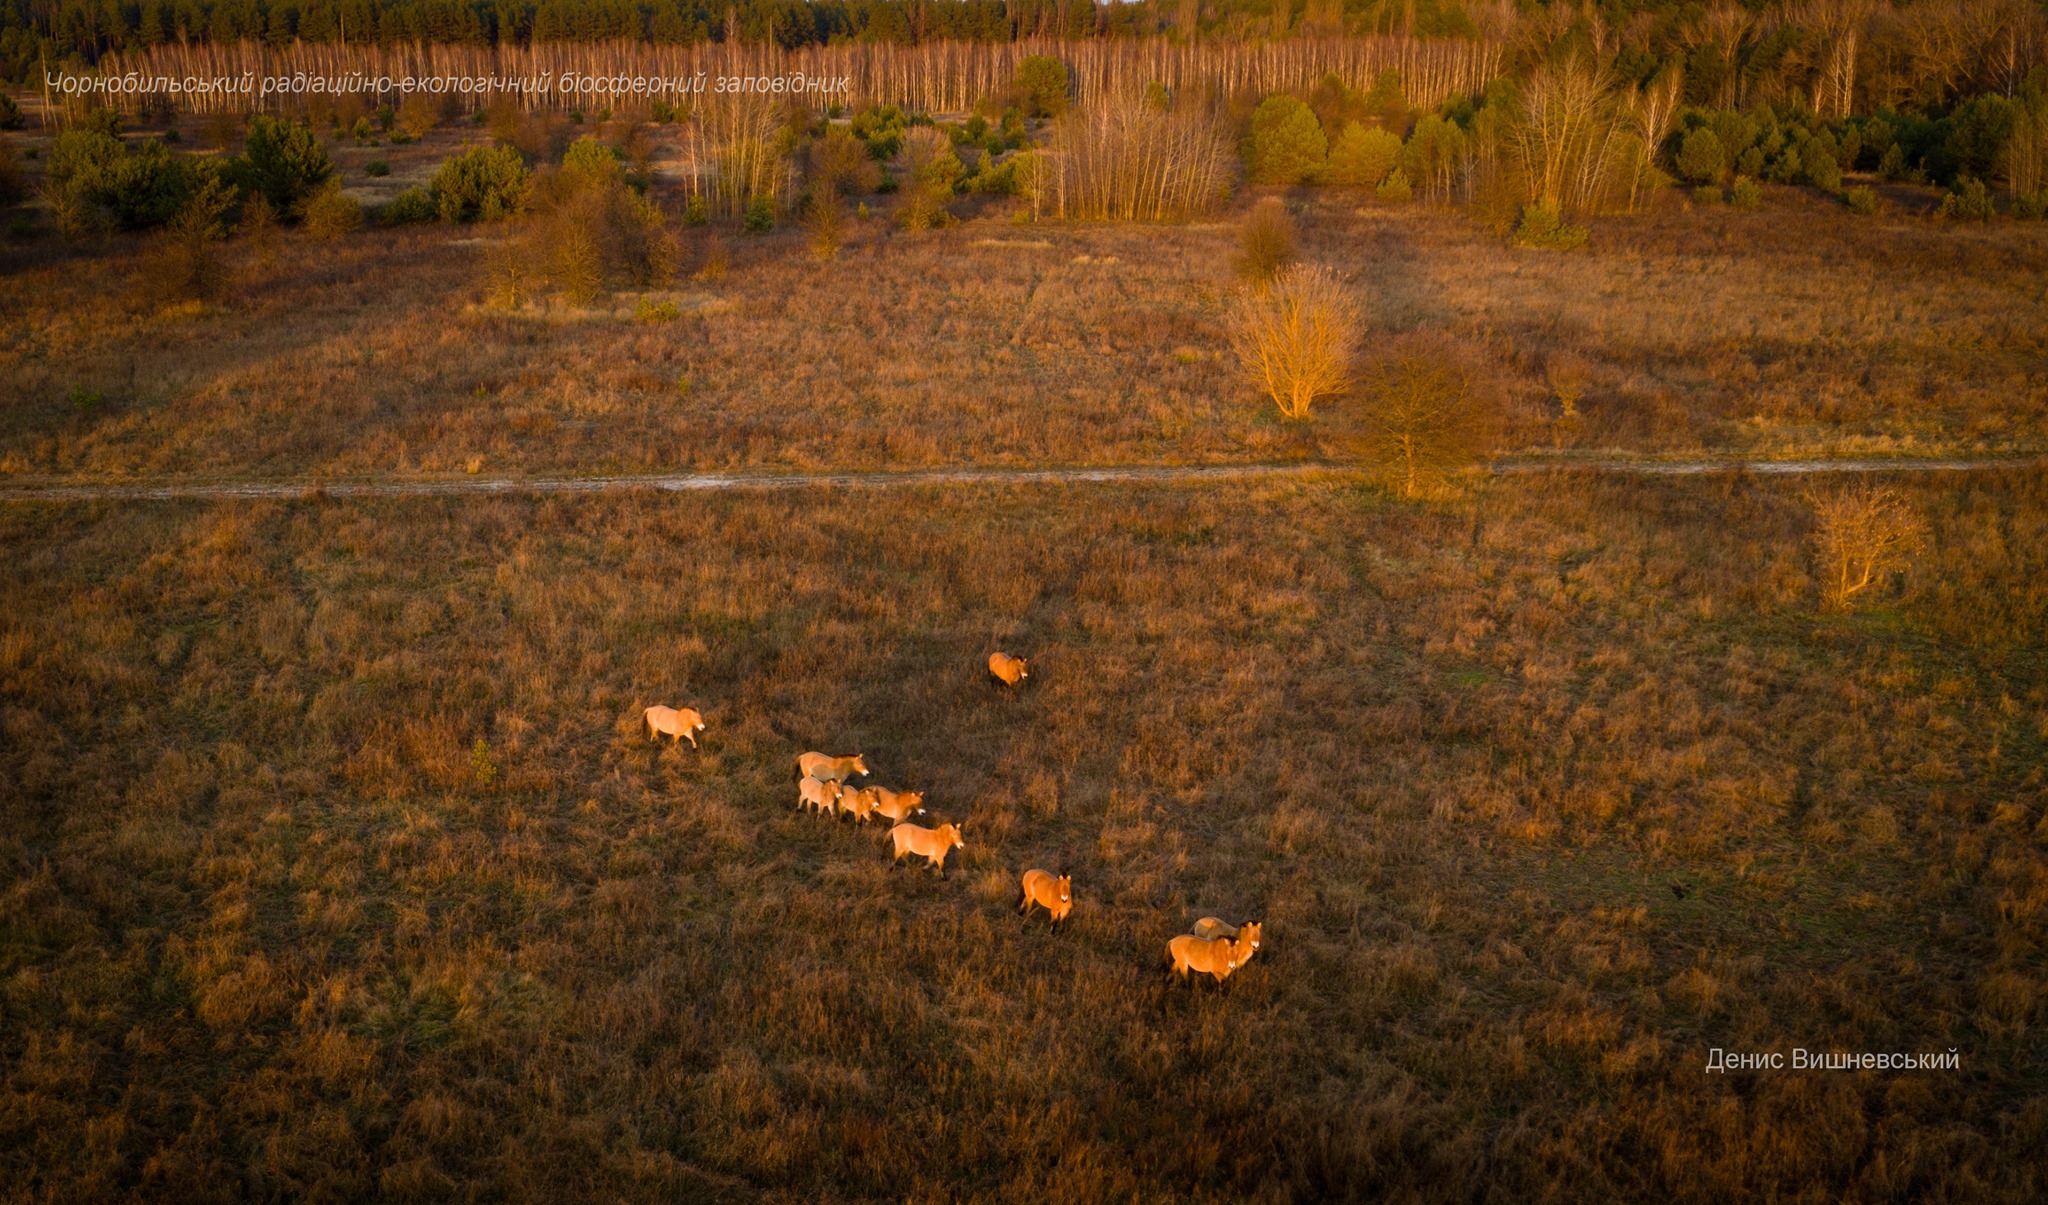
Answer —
(1788, 331)
(339, 865)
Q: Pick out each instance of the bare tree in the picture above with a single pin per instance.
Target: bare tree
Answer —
(1294, 337)
(1423, 420)
(1865, 531)
(1566, 374)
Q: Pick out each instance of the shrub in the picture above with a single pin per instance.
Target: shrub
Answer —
(1968, 200)
(1293, 337)
(416, 115)
(1286, 144)
(1861, 200)
(657, 311)
(331, 213)
(1747, 193)
(1361, 156)
(881, 128)
(589, 163)
(1541, 227)
(1892, 165)
(1566, 373)
(696, 211)
(409, 208)
(1422, 420)
(483, 184)
(840, 162)
(10, 113)
(822, 222)
(1041, 86)
(1395, 187)
(93, 180)
(376, 167)
(1821, 169)
(1707, 194)
(760, 214)
(283, 160)
(2031, 206)
(1266, 242)
(183, 265)
(1864, 532)
(1701, 158)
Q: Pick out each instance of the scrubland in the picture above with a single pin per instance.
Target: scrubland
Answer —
(1793, 330)
(336, 865)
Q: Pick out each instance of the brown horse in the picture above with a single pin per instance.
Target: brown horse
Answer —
(1200, 955)
(898, 805)
(931, 844)
(674, 722)
(829, 768)
(1006, 669)
(860, 801)
(1209, 928)
(819, 793)
(1055, 895)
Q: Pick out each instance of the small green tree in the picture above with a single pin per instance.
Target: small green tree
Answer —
(1286, 144)
(1041, 86)
(1362, 156)
(483, 184)
(283, 160)
(1700, 157)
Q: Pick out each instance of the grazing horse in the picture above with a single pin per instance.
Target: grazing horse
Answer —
(1006, 669)
(832, 769)
(898, 805)
(1219, 957)
(676, 722)
(1055, 895)
(822, 794)
(931, 844)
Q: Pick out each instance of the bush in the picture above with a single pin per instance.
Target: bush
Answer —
(657, 311)
(182, 264)
(840, 162)
(1821, 169)
(93, 180)
(1968, 200)
(1747, 193)
(483, 184)
(1865, 532)
(1041, 86)
(283, 160)
(1422, 421)
(760, 214)
(1541, 227)
(1293, 338)
(881, 128)
(696, 211)
(2031, 206)
(1707, 194)
(1361, 156)
(10, 113)
(376, 167)
(1286, 144)
(822, 222)
(1701, 158)
(409, 208)
(1266, 242)
(1395, 187)
(1861, 200)
(416, 116)
(589, 163)
(331, 213)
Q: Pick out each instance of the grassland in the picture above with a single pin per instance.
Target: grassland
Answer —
(1796, 330)
(335, 866)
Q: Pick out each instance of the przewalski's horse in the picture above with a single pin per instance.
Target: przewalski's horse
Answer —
(819, 793)
(1210, 928)
(677, 722)
(860, 802)
(1055, 895)
(829, 768)
(1007, 670)
(1190, 954)
(898, 805)
(932, 844)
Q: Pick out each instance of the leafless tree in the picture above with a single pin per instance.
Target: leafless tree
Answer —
(1294, 337)
(1865, 531)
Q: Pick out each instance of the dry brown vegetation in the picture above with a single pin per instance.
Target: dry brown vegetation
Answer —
(336, 863)
(1795, 330)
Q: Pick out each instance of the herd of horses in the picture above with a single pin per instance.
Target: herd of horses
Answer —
(1215, 947)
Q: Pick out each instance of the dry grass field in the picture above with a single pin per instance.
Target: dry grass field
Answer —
(336, 867)
(1796, 330)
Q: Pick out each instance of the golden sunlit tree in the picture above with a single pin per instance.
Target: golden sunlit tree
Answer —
(1421, 420)
(1294, 337)
(1865, 532)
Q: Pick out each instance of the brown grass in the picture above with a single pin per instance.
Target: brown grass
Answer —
(267, 930)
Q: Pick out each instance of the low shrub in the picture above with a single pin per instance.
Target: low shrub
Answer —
(410, 208)
(1266, 241)
(657, 311)
(1294, 336)
(759, 217)
(332, 213)
(1861, 199)
(283, 160)
(376, 167)
(1968, 200)
(483, 184)
(1747, 193)
(1542, 227)
(1395, 187)
(1707, 194)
